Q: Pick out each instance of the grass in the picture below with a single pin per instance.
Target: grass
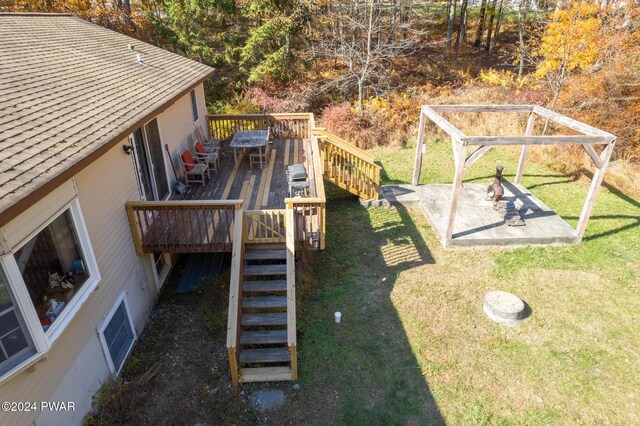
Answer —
(414, 345)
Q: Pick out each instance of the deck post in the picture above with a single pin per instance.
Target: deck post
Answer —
(135, 230)
(460, 151)
(596, 182)
(417, 165)
(525, 148)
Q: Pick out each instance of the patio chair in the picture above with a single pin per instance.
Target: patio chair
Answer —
(194, 172)
(210, 158)
(210, 144)
(256, 157)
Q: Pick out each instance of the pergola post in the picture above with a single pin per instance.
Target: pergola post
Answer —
(460, 152)
(596, 182)
(417, 165)
(525, 148)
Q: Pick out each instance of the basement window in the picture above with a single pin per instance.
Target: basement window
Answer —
(117, 334)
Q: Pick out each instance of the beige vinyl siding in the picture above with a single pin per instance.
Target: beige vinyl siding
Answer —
(176, 125)
(103, 188)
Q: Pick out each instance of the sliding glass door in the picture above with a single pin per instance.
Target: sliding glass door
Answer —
(149, 158)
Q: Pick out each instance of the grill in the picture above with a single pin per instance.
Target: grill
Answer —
(298, 180)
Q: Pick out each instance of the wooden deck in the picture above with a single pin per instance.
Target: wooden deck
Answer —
(260, 188)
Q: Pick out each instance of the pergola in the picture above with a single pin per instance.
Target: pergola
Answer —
(479, 145)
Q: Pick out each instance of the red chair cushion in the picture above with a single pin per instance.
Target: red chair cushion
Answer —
(200, 149)
(187, 158)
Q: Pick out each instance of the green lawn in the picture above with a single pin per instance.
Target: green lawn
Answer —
(414, 345)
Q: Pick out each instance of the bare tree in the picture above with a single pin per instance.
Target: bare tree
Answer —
(480, 29)
(497, 31)
(366, 36)
(462, 27)
(451, 21)
(492, 14)
(522, 48)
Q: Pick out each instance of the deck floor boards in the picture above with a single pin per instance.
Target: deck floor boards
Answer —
(228, 183)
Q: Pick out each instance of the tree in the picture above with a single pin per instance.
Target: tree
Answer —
(569, 44)
(497, 31)
(462, 27)
(480, 29)
(522, 48)
(451, 21)
(492, 14)
(364, 37)
(268, 50)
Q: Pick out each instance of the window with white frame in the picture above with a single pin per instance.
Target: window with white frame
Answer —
(194, 105)
(15, 342)
(43, 283)
(117, 334)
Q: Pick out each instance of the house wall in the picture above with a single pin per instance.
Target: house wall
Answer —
(75, 366)
(177, 126)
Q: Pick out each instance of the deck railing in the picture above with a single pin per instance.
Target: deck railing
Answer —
(235, 296)
(294, 126)
(182, 226)
(264, 226)
(347, 166)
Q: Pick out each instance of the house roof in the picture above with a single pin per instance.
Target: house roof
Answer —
(69, 91)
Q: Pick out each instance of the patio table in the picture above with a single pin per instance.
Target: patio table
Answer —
(247, 139)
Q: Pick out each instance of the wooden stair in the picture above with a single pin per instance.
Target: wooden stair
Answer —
(263, 351)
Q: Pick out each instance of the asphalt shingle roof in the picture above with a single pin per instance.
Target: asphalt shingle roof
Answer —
(69, 87)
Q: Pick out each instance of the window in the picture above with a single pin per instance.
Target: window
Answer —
(15, 344)
(52, 267)
(194, 105)
(116, 334)
(43, 282)
(162, 264)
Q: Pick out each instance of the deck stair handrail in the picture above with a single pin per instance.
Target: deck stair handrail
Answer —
(182, 226)
(235, 295)
(291, 291)
(348, 166)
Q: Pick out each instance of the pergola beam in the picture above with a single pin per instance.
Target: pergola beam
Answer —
(571, 123)
(482, 108)
(445, 125)
(476, 155)
(596, 182)
(538, 140)
(525, 148)
(597, 160)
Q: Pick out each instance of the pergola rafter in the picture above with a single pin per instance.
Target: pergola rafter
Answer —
(460, 142)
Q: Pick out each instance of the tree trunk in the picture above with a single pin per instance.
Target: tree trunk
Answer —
(497, 32)
(521, 38)
(461, 27)
(451, 22)
(492, 14)
(480, 30)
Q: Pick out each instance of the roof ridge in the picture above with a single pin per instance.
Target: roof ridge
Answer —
(52, 14)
